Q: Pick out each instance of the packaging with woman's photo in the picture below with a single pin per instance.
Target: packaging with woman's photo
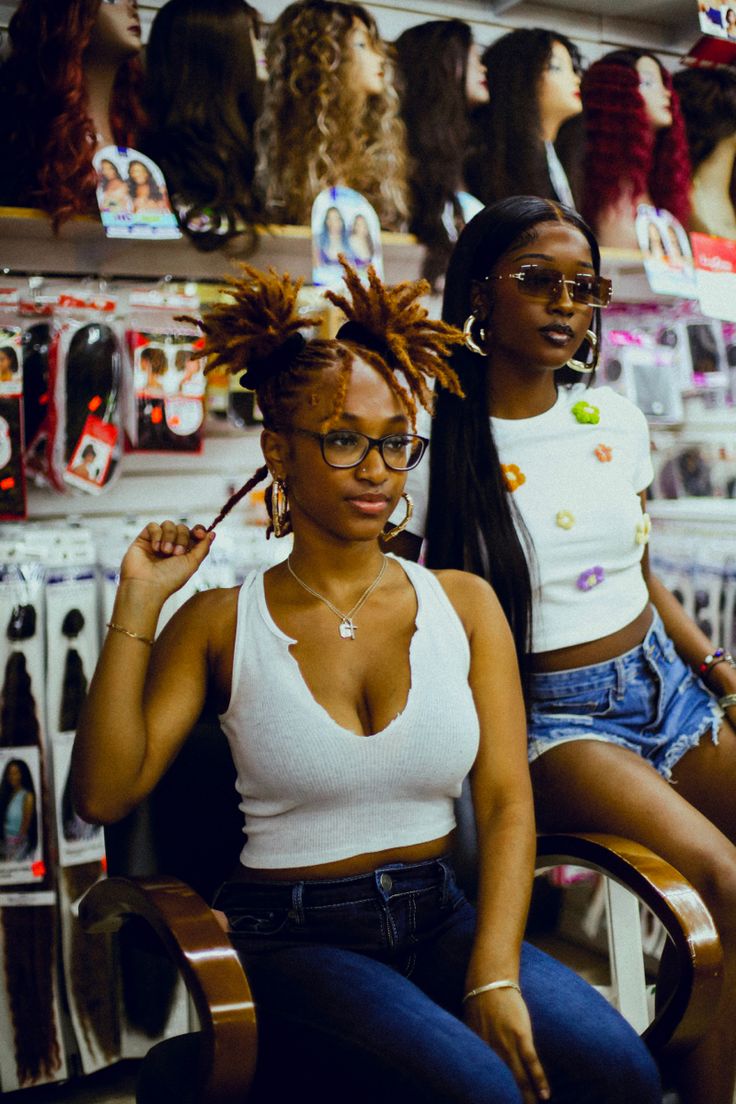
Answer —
(21, 836)
(668, 257)
(132, 195)
(168, 373)
(12, 465)
(343, 224)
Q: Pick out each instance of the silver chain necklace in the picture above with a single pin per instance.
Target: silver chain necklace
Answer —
(347, 625)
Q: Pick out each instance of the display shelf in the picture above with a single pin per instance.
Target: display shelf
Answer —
(29, 246)
(717, 515)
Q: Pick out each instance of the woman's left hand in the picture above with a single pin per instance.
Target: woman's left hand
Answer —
(501, 1018)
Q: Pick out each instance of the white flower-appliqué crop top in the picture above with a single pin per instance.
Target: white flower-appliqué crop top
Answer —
(575, 473)
(312, 791)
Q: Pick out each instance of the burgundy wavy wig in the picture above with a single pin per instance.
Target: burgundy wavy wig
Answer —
(622, 150)
(48, 128)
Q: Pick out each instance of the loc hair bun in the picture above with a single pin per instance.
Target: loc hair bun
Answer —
(259, 318)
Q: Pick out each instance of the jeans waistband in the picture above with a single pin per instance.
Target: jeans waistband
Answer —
(389, 880)
(599, 673)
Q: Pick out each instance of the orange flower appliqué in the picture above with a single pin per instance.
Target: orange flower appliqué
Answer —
(513, 476)
(604, 453)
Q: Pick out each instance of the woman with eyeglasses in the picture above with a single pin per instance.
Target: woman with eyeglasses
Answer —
(537, 483)
(356, 691)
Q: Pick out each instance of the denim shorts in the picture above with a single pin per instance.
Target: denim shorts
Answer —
(647, 700)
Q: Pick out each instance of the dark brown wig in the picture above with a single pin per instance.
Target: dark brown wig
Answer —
(202, 96)
(432, 65)
(508, 157)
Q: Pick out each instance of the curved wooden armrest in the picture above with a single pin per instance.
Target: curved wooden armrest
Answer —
(209, 965)
(690, 1008)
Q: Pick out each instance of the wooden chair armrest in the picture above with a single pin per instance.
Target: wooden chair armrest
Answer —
(211, 969)
(690, 1008)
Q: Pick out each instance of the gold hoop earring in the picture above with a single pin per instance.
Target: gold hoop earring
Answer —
(587, 366)
(470, 341)
(405, 520)
(279, 508)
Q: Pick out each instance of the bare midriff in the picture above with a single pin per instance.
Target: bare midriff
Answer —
(596, 651)
(355, 864)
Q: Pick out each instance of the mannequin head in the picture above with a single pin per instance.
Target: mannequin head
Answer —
(533, 86)
(441, 79)
(330, 113)
(116, 33)
(641, 153)
(43, 86)
(203, 94)
(708, 104)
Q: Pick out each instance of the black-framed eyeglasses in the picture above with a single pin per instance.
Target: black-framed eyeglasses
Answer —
(540, 282)
(346, 448)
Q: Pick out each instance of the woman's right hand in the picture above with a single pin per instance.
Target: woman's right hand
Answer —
(165, 556)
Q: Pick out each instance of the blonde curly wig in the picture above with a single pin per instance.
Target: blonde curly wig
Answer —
(314, 132)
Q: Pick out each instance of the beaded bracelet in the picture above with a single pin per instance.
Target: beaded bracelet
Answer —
(133, 635)
(505, 983)
(720, 655)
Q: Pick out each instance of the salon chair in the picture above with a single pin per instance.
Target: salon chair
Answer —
(166, 860)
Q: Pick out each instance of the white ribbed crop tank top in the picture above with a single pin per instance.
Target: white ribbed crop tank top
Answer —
(313, 792)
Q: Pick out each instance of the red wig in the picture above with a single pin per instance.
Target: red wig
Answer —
(622, 150)
(49, 128)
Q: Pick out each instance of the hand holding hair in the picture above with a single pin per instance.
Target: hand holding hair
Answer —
(164, 556)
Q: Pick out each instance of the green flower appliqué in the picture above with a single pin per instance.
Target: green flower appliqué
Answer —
(586, 413)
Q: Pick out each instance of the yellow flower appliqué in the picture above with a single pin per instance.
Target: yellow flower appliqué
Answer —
(586, 413)
(643, 529)
(604, 453)
(565, 519)
(513, 476)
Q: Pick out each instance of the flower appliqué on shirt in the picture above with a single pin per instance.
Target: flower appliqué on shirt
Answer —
(513, 475)
(586, 413)
(643, 529)
(590, 578)
(565, 519)
(604, 453)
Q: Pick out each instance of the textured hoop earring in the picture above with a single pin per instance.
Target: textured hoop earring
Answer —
(470, 341)
(279, 508)
(404, 521)
(592, 364)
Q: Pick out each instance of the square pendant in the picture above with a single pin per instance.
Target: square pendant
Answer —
(347, 629)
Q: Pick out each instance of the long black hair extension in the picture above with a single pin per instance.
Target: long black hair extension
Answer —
(473, 523)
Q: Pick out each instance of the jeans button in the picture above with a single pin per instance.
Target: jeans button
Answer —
(386, 882)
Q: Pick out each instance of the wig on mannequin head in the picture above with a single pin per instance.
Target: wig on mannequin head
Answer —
(472, 523)
(432, 65)
(708, 104)
(623, 153)
(508, 155)
(202, 98)
(47, 127)
(314, 132)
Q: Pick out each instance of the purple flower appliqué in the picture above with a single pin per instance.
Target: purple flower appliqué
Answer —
(590, 578)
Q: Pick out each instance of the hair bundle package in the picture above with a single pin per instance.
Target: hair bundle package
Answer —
(29, 1007)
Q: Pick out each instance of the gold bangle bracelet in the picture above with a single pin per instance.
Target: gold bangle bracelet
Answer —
(505, 983)
(133, 635)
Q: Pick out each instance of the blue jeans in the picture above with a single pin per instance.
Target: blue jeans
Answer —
(358, 985)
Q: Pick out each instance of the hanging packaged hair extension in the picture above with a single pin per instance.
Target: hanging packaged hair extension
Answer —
(12, 468)
(87, 391)
(29, 1010)
(168, 373)
(36, 310)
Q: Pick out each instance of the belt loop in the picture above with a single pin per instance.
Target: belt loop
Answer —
(447, 878)
(620, 678)
(297, 901)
